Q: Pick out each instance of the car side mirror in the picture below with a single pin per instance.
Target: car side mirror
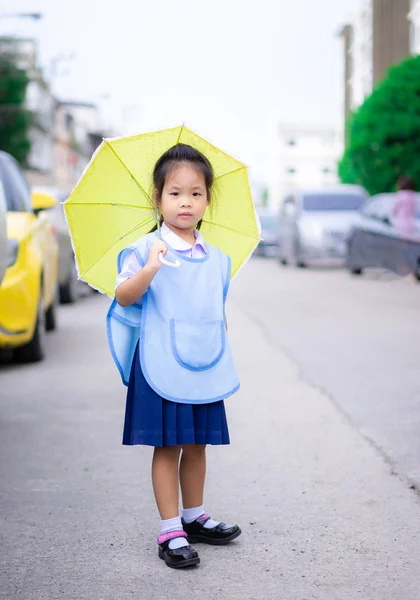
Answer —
(42, 201)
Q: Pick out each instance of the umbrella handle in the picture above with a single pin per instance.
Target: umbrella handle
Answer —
(175, 264)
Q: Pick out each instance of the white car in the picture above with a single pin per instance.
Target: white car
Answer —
(314, 225)
(70, 287)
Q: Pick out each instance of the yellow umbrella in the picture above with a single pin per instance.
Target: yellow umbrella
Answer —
(111, 206)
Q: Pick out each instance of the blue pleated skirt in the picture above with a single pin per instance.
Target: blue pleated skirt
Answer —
(153, 421)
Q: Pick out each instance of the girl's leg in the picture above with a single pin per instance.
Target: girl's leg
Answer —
(174, 547)
(165, 480)
(192, 474)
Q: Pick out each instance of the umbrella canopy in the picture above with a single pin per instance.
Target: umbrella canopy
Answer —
(111, 206)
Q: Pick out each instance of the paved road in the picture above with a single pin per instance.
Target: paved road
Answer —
(356, 339)
(323, 516)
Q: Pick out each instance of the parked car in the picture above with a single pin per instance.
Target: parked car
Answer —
(268, 243)
(3, 233)
(375, 242)
(314, 224)
(28, 292)
(71, 288)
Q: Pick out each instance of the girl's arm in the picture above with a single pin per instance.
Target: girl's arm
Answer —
(134, 288)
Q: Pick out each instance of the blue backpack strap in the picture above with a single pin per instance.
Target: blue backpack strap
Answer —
(123, 322)
(226, 268)
(123, 332)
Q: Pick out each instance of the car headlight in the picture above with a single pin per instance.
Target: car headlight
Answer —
(12, 252)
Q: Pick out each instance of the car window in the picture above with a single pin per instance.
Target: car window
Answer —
(11, 201)
(382, 206)
(332, 202)
(16, 189)
(372, 209)
(22, 188)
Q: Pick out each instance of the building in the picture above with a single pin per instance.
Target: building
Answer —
(63, 135)
(390, 35)
(414, 18)
(347, 35)
(22, 50)
(382, 34)
(306, 156)
(40, 103)
(77, 135)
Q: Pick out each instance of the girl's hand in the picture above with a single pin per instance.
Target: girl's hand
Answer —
(155, 250)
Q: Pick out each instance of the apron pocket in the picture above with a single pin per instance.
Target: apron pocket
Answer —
(197, 346)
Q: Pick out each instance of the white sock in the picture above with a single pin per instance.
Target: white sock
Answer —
(191, 514)
(174, 524)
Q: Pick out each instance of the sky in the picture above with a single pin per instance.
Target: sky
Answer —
(231, 70)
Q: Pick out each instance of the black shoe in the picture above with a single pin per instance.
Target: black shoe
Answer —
(177, 558)
(217, 536)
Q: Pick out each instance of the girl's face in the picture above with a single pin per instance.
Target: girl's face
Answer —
(184, 197)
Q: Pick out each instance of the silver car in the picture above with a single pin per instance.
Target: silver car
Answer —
(314, 225)
(70, 286)
(376, 242)
(268, 244)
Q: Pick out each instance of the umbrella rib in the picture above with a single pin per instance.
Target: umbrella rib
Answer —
(253, 237)
(127, 169)
(180, 133)
(230, 172)
(132, 230)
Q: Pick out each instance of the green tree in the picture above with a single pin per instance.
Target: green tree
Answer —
(14, 118)
(384, 133)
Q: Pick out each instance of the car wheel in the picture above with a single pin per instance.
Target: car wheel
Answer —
(298, 260)
(34, 350)
(68, 291)
(417, 271)
(51, 314)
(356, 271)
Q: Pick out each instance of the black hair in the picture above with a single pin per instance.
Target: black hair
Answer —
(406, 183)
(173, 157)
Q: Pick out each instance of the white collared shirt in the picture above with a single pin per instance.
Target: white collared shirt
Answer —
(131, 265)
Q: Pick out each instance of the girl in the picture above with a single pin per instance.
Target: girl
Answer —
(181, 364)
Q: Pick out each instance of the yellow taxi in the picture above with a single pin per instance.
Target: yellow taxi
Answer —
(28, 292)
